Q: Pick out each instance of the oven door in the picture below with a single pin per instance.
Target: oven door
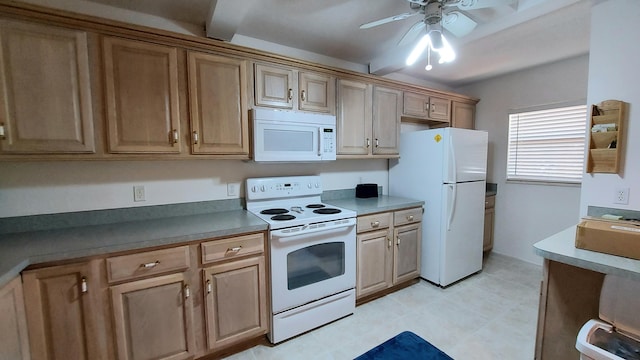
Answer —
(312, 263)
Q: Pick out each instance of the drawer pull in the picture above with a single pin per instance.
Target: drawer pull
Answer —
(398, 241)
(150, 265)
(175, 138)
(84, 288)
(303, 95)
(375, 224)
(195, 138)
(2, 134)
(235, 249)
(388, 242)
(410, 218)
(209, 287)
(187, 292)
(290, 94)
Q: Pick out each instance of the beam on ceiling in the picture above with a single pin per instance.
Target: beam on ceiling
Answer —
(225, 16)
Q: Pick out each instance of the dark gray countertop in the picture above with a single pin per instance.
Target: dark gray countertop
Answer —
(376, 204)
(19, 250)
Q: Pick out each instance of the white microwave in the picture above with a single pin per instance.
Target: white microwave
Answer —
(289, 136)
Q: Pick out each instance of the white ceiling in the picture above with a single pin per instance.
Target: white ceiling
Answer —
(511, 37)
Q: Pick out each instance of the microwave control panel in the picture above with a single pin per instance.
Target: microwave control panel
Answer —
(328, 141)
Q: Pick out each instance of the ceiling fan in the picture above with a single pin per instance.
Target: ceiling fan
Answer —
(448, 13)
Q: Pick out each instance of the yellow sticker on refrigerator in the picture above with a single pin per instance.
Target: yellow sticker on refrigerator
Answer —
(437, 138)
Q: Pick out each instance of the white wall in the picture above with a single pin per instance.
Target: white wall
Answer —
(51, 187)
(527, 213)
(613, 74)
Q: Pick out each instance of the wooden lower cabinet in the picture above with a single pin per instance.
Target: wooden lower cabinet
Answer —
(235, 301)
(489, 218)
(153, 318)
(388, 250)
(65, 312)
(14, 340)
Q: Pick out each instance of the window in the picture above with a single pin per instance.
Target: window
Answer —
(547, 145)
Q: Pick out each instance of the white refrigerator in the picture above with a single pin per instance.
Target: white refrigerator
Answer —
(446, 168)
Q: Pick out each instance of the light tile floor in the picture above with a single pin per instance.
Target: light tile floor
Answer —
(490, 315)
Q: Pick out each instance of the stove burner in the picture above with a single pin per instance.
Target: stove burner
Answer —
(274, 211)
(283, 217)
(315, 206)
(327, 211)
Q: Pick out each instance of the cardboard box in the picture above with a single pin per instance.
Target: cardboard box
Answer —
(616, 237)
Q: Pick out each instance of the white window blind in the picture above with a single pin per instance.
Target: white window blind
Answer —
(547, 145)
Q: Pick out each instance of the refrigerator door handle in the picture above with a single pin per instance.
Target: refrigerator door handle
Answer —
(452, 205)
(454, 166)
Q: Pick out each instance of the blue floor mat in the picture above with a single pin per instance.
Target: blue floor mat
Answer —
(405, 346)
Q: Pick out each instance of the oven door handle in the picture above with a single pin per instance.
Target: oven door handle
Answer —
(309, 229)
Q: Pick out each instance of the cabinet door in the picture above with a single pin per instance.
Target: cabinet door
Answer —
(407, 252)
(274, 86)
(218, 102)
(317, 92)
(487, 243)
(374, 262)
(416, 105)
(235, 301)
(141, 97)
(64, 312)
(439, 109)
(387, 107)
(354, 117)
(463, 115)
(45, 95)
(152, 318)
(14, 341)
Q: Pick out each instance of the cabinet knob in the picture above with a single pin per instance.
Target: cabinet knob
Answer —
(174, 136)
(84, 288)
(377, 143)
(290, 94)
(398, 241)
(410, 218)
(195, 137)
(388, 242)
(2, 135)
(375, 224)
(303, 95)
(209, 287)
(187, 292)
(368, 142)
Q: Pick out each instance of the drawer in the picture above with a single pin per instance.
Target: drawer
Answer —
(238, 246)
(407, 216)
(489, 201)
(134, 266)
(373, 222)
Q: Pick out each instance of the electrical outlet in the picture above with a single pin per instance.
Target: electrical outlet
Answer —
(621, 196)
(233, 189)
(138, 193)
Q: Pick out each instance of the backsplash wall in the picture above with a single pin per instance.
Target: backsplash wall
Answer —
(33, 188)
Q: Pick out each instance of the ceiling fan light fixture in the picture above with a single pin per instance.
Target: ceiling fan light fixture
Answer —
(424, 43)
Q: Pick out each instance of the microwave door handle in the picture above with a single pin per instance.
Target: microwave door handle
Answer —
(320, 131)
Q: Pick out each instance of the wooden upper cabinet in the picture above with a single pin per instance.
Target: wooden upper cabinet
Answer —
(463, 115)
(387, 108)
(354, 117)
(14, 340)
(288, 88)
(64, 312)
(142, 102)
(45, 92)
(274, 86)
(218, 102)
(422, 106)
(316, 92)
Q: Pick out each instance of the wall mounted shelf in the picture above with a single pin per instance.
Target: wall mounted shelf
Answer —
(606, 144)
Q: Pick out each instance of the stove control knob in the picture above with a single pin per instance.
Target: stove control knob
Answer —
(262, 188)
(254, 188)
(309, 186)
(317, 185)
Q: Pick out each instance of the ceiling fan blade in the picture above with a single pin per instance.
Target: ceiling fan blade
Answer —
(412, 33)
(479, 4)
(388, 20)
(458, 23)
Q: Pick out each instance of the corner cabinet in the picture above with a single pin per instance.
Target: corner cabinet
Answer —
(235, 289)
(463, 115)
(141, 91)
(14, 340)
(218, 103)
(45, 91)
(388, 250)
(288, 88)
(489, 218)
(65, 312)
